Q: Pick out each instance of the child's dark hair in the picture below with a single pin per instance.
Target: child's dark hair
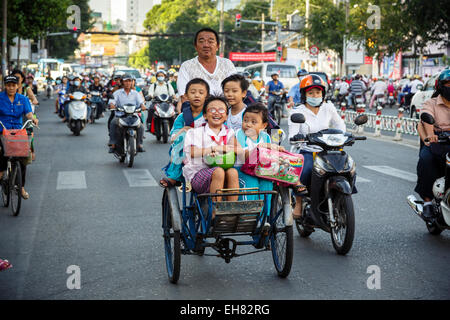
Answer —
(214, 98)
(238, 78)
(258, 107)
(197, 81)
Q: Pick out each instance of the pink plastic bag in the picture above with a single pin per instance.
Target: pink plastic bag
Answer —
(283, 167)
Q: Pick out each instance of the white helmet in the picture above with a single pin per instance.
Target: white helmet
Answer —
(438, 188)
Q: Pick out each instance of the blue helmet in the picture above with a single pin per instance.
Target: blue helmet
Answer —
(257, 74)
(302, 73)
(444, 77)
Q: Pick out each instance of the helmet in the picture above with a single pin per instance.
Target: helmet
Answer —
(161, 71)
(274, 74)
(302, 72)
(246, 74)
(257, 74)
(310, 81)
(444, 76)
(439, 188)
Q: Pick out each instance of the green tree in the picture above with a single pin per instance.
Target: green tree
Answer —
(140, 59)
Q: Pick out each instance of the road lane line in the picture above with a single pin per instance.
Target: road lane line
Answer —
(68, 180)
(139, 178)
(360, 180)
(394, 172)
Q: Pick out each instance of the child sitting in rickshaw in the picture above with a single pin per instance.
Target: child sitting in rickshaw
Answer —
(211, 140)
(197, 90)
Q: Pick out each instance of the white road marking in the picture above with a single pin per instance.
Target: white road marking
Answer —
(359, 179)
(68, 180)
(394, 172)
(139, 178)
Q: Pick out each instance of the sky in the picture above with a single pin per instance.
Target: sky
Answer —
(118, 8)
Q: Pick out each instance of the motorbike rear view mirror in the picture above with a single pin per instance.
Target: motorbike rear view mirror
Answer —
(277, 135)
(427, 118)
(298, 118)
(361, 119)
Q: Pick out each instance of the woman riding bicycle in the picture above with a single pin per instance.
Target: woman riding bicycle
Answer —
(13, 106)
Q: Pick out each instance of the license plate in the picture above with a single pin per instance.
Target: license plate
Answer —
(359, 100)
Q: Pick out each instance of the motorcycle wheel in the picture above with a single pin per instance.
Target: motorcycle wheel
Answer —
(131, 151)
(278, 115)
(342, 235)
(434, 229)
(165, 131)
(93, 115)
(77, 129)
(303, 231)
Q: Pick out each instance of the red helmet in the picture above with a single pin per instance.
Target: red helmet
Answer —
(311, 81)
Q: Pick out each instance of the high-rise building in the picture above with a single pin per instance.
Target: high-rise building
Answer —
(137, 12)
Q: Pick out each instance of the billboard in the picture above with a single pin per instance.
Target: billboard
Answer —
(253, 56)
(354, 52)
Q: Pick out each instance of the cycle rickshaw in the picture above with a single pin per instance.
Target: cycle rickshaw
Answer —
(189, 229)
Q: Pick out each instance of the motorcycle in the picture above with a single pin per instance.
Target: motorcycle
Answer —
(78, 111)
(441, 191)
(163, 117)
(262, 96)
(380, 101)
(278, 106)
(95, 100)
(129, 122)
(358, 101)
(49, 88)
(391, 99)
(328, 204)
(61, 100)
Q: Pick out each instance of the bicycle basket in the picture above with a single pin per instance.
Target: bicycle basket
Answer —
(16, 143)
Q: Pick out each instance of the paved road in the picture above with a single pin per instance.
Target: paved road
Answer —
(88, 210)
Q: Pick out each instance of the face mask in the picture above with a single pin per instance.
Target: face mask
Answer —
(58, 81)
(160, 79)
(76, 83)
(314, 102)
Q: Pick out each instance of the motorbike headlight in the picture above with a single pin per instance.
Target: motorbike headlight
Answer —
(333, 140)
(321, 167)
(350, 166)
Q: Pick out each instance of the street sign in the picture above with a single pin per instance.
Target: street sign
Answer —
(253, 56)
(313, 50)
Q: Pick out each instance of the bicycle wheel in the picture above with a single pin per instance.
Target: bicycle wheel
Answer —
(172, 245)
(281, 238)
(5, 191)
(15, 187)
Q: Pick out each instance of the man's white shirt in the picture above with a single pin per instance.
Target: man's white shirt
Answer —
(192, 68)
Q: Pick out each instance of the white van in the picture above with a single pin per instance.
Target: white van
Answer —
(287, 72)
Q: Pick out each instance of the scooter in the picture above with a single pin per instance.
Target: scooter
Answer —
(163, 117)
(380, 101)
(129, 123)
(328, 204)
(78, 111)
(391, 99)
(61, 100)
(441, 191)
(278, 106)
(95, 100)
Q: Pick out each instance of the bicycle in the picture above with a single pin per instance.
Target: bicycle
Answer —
(16, 149)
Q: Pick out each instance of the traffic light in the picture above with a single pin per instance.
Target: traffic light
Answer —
(238, 20)
(279, 51)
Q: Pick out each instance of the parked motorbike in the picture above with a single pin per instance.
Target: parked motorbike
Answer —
(78, 111)
(163, 117)
(129, 122)
(96, 102)
(441, 191)
(327, 204)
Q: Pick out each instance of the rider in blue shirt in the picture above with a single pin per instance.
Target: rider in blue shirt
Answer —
(272, 87)
(13, 106)
(294, 96)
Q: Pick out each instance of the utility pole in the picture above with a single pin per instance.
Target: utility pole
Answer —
(263, 33)
(278, 30)
(4, 37)
(344, 67)
(306, 37)
(222, 36)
